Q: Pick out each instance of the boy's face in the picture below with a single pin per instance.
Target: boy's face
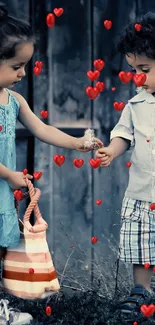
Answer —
(143, 64)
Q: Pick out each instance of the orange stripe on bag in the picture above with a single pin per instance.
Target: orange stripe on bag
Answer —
(30, 277)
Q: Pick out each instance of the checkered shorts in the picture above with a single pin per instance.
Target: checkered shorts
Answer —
(137, 234)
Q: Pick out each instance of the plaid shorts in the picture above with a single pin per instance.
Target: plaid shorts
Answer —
(137, 234)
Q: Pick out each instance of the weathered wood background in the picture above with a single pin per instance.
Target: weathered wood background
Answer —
(68, 194)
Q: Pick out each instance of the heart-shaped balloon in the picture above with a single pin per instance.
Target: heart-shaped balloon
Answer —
(119, 105)
(93, 75)
(37, 175)
(58, 11)
(18, 195)
(50, 20)
(48, 310)
(146, 266)
(95, 163)
(99, 64)
(59, 159)
(39, 64)
(94, 240)
(25, 171)
(36, 71)
(107, 24)
(44, 114)
(138, 27)
(113, 88)
(98, 202)
(92, 92)
(139, 79)
(78, 162)
(125, 77)
(100, 86)
(147, 311)
(152, 206)
(128, 164)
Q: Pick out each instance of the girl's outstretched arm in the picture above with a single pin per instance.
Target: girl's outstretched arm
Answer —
(47, 133)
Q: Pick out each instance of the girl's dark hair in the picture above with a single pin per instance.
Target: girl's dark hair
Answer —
(139, 42)
(13, 32)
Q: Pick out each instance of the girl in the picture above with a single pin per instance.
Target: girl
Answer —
(16, 49)
(136, 127)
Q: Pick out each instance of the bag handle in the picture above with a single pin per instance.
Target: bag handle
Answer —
(40, 224)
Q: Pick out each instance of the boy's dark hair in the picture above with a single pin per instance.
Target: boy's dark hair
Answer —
(139, 42)
(13, 32)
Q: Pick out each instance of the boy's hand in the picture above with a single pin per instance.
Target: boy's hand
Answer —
(16, 180)
(80, 144)
(106, 156)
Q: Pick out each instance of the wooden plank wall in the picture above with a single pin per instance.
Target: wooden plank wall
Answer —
(69, 194)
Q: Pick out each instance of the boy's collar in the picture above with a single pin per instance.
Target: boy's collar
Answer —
(142, 96)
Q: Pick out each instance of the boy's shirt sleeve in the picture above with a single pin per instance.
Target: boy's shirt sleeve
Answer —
(124, 128)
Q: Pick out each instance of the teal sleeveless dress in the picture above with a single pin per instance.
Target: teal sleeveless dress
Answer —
(9, 229)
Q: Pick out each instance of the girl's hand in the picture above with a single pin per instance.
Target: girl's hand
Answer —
(16, 180)
(80, 144)
(106, 156)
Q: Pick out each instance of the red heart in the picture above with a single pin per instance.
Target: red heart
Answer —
(138, 27)
(147, 310)
(99, 64)
(93, 75)
(113, 88)
(39, 64)
(94, 240)
(139, 79)
(31, 271)
(1, 128)
(58, 11)
(37, 175)
(128, 164)
(125, 77)
(48, 310)
(59, 159)
(50, 20)
(95, 163)
(107, 24)
(147, 140)
(146, 266)
(36, 71)
(92, 92)
(152, 206)
(100, 86)
(78, 162)
(119, 105)
(18, 194)
(98, 202)
(44, 114)
(25, 171)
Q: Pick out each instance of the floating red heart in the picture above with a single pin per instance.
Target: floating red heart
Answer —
(59, 159)
(146, 266)
(39, 64)
(152, 206)
(18, 195)
(44, 114)
(113, 88)
(128, 164)
(135, 323)
(107, 24)
(25, 171)
(36, 71)
(78, 162)
(58, 11)
(99, 64)
(138, 27)
(98, 202)
(139, 79)
(125, 77)
(48, 310)
(94, 240)
(92, 92)
(50, 20)
(95, 163)
(37, 175)
(31, 271)
(119, 105)
(100, 86)
(1, 128)
(93, 75)
(147, 310)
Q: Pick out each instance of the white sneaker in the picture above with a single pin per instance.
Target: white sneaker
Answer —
(12, 316)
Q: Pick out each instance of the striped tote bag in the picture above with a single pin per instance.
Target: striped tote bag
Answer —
(28, 270)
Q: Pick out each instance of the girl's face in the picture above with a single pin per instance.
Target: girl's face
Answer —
(143, 64)
(13, 70)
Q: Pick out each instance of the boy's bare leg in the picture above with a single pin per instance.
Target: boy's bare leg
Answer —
(142, 276)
